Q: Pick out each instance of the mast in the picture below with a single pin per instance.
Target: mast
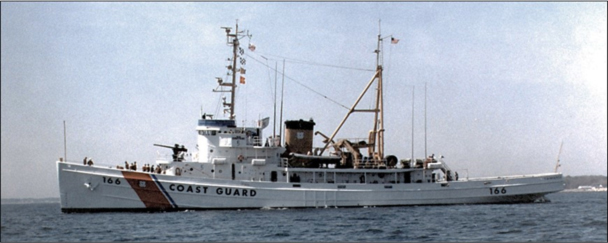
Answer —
(233, 40)
(274, 122)
(377, 146)
(413, 160)
(379, 106)
(281, 116)
(425, 153)
(235, 45)
(65, 148)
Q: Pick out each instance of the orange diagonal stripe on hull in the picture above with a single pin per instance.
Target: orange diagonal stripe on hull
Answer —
(150, 195)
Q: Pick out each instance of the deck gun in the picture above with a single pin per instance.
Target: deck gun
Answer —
(178, 151)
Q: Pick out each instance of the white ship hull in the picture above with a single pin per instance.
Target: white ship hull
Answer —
(94, 189)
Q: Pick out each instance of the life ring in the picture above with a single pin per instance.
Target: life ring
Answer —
(241, 158)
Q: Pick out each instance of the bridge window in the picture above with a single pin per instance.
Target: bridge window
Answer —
(207, 132)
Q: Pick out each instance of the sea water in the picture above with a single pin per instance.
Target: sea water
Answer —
(572, 216)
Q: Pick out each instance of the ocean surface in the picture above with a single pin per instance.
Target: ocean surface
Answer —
(573, 216)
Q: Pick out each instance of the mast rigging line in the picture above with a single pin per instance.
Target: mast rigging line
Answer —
(269, 78)
(297, 61)
(298, 82)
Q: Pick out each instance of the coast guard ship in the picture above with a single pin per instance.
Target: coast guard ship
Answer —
(236, 168)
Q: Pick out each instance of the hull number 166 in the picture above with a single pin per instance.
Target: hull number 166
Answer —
(496, 191)
(110, 181)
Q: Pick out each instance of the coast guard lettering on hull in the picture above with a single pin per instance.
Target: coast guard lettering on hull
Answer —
(218, 191)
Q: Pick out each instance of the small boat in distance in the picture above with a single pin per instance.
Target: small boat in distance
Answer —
(235, 168)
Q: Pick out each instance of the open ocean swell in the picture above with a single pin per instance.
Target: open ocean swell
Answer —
(575, 216)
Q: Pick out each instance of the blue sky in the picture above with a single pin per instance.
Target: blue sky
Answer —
(506, 82)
